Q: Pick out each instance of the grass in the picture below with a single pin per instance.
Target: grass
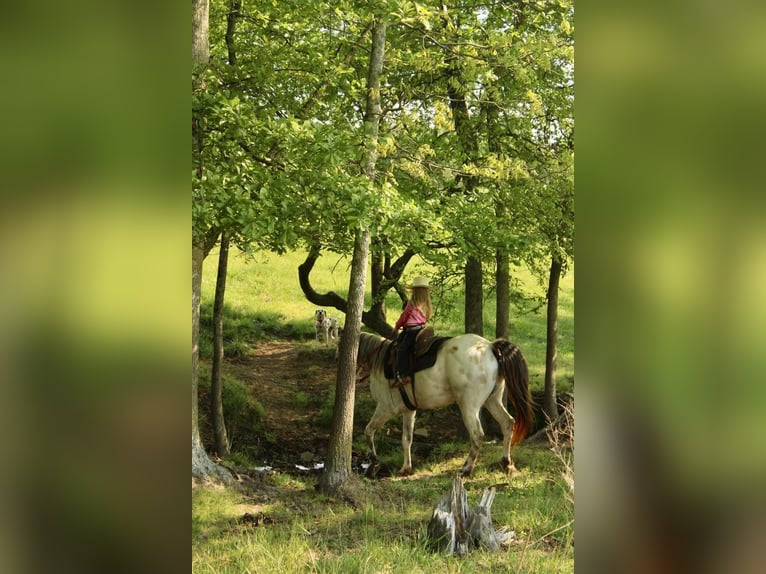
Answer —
(384, 531)
(264, 301)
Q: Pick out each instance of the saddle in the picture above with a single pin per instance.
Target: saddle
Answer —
(424, 356)
(427, 345)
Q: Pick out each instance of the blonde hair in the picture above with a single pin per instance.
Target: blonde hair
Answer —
(421, 298)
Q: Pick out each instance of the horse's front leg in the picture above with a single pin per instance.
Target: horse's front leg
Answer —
(408, 429)
(379, 418)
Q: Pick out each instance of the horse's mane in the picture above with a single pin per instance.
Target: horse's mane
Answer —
(373, 349)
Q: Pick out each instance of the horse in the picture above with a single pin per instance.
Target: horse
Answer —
(470, 371)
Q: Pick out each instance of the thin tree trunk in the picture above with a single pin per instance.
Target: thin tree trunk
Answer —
(377, 269)
(220, 438)
(474, 297)
(231, 24)
(338, 465)
(466, 135)
(503, 295)
(502, 270)
(549, 407)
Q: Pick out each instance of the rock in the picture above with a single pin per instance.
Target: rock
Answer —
(421, 432)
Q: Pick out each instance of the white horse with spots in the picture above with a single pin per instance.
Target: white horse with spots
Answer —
(470, 371)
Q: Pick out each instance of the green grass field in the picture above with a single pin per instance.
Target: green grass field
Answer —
(301, 530)
(264, 300)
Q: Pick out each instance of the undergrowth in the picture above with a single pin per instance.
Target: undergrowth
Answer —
(383, 528)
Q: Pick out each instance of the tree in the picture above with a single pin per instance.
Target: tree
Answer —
(550, 408)
(220, 438)
(457, 88)
(338, 464)
(375, 317)
(202, 466)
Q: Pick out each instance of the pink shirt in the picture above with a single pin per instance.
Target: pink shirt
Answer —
(410, 317)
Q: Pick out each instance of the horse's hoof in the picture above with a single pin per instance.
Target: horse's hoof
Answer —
(405, 471)
(465, 472)
(508, 467)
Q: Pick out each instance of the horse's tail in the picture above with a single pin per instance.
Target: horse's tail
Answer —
(513, 368)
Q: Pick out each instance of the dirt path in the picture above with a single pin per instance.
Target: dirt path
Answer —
(293, 383)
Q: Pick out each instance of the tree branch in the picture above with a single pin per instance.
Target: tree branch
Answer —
(332, 299)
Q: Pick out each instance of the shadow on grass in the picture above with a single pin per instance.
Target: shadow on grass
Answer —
(241, 329)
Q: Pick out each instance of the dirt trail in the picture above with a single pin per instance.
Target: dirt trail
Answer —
(292, 382)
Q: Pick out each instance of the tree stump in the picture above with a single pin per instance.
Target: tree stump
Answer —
(456, 529)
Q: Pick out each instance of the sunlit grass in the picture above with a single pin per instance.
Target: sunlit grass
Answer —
(264, 300)
(385, 531)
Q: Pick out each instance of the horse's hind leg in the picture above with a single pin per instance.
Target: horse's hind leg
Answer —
(495, 407)
(475, 434)
(408, 428)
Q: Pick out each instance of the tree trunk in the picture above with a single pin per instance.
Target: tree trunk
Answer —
(503, 295)
(502, 271)
(377, 270)
(549, 406)
(466, 135)
(231, 24)
(200, 23)
(338, 465)
(220, 436)
(202, 466)
(474, 297)
(221, 440)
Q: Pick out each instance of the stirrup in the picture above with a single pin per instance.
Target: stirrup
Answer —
(400, 381)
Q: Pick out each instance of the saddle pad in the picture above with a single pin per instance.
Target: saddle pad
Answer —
(425, 361)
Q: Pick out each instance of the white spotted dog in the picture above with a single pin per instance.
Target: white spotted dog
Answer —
(322, 324)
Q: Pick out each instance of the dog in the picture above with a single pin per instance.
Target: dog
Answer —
(322, 325)
(327, 327)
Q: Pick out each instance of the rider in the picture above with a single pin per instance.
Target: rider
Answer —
(416, 312)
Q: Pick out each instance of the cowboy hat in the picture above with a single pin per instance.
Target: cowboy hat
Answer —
(419, 281)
